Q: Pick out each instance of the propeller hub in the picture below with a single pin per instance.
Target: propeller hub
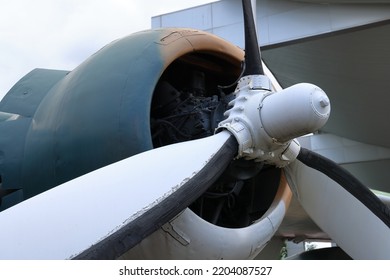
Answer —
(265, 122)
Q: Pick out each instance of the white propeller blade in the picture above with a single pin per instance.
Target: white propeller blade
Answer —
(348, 221)
(106, 212)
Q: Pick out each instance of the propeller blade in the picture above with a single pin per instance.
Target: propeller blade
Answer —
(342, 206)
(253, 64)
(103, 214)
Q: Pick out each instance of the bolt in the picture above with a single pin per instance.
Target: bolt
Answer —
(324, 102)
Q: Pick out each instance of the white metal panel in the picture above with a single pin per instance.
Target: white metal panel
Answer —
(308, 20)
(277, 7)
(156, 22)
(226, 13)
(278, 21)
(190, 237)
(233, 33)
(198, 18)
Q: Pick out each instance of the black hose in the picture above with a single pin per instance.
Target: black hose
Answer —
(349, 182)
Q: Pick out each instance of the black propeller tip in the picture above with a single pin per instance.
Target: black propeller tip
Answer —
(253, 64)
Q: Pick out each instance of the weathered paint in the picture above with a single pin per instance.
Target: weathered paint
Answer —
(75, 122)
(203, 240)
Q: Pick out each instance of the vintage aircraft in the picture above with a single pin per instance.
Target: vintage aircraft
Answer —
(171, 143)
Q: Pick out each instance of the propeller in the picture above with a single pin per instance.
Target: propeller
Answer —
(145, 191)
(253, 64)
(343, 207)
(110, 210)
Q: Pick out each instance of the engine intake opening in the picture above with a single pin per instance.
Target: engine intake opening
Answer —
(188, 103)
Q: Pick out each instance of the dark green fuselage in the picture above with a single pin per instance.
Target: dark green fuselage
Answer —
(58, 125)
(70, 123)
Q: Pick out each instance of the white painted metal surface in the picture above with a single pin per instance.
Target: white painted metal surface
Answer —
(190, 237)
(68, 219)
(294, 111)
(265, 122)
(347, 221)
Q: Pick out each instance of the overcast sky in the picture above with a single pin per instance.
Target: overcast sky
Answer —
(60, 34)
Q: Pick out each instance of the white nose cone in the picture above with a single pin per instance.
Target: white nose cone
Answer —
(295, 111)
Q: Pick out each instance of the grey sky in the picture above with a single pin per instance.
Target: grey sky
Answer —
(60, 34)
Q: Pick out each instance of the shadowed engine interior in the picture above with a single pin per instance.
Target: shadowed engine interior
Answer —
(188, 103)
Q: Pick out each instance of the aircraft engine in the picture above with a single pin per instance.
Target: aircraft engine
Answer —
(189, 101)
(170, 144)
(144, 91)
